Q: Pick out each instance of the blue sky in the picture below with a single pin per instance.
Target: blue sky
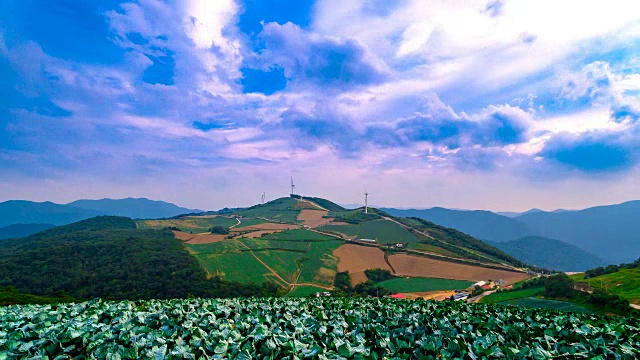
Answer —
(488, 104)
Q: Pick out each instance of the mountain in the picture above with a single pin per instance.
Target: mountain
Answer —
(29, 212)
(550, 254)
(512, 214)
(480, 224)
(140, 208)
(22, 230)
(108, 257)
(612, 231)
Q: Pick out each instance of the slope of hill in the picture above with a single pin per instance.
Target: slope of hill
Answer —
(29, 212)
(22, 230)
(612, 232)
(107, 257)
(549, 254)
(480, 224)
(140, 208)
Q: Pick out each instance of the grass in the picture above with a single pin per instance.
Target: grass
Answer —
(511, 295)
(385, 231)
(283, 209)
(437, 250)
(250, 222)
(304, 291)
(297, 235)
(320, 266)
(187, 224)
(232, 261)
(535, 303)
(624, 283)
(417, 284)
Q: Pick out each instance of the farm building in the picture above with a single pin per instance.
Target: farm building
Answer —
(367, 240)
(479, 283)
(460, 296)
(486, 287)
(399, 245)
(398, 296)
(499, 282)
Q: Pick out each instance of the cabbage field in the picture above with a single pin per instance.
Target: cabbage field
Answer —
(323, 328)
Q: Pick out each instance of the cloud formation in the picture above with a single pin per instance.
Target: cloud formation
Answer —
(234, 94)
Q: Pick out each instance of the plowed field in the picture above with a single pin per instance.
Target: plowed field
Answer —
(356, 259)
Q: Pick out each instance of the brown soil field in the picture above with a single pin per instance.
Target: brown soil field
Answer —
(434, 295)
(314, 218)
(306, 205)
(184, 236)
(206, 239)
(410, 265)
(356, 259)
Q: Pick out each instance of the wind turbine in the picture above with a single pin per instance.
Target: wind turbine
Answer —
(292, 186)
(366, 198)
(263, 196)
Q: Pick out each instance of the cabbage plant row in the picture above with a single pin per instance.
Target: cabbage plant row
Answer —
(324, 328)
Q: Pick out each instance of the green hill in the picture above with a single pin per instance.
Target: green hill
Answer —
(108, 257)
(549, 254)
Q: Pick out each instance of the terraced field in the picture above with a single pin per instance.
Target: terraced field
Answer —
(624, 283)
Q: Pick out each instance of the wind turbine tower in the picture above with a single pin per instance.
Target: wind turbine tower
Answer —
(292, 186)
(263, 196)
(366, 198)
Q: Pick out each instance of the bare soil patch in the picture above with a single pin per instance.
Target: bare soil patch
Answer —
(314, 218)
(356, 259)
(184, 236)
(410, 265)
(434, 295)
(206, 239)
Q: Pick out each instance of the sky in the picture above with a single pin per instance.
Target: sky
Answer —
(488, 104)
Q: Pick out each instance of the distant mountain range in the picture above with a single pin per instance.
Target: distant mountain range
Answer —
(22, 230)
(29, 212)
(549, 253)
(612, 232)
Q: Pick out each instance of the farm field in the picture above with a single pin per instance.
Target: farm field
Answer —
(624, 283)
(511, 295)
(304, 291)
(416, 266)
(314, 218)
(412, 285)
(189, 224)
(437, 250)
(356, 259)
(320, 265)
(290, 327)
(535, 303)
(206, 238)
(298, 235)
(387, 232)
(231, 261)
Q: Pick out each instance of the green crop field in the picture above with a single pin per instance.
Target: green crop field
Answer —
(320, 266)
(283, 262)
(418, 284)
(511, 295)
(624, 283)
(304, 291)
(385, 231)
(535, 303)
(188, 224)
(323, 328)
(297, 235)
(437, 250)
(232, 261)
(250, 222)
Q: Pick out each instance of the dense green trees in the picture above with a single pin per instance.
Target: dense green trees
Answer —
(219, 230)
(610, 269)
(377, 275)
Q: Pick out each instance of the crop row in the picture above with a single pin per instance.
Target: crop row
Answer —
(325, 328)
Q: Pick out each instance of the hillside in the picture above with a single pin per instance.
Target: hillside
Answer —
(611, 231)
(480, 224)
(549, 254)
(108, 257)
(29, 212)
(140, 208)
(22, 230)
